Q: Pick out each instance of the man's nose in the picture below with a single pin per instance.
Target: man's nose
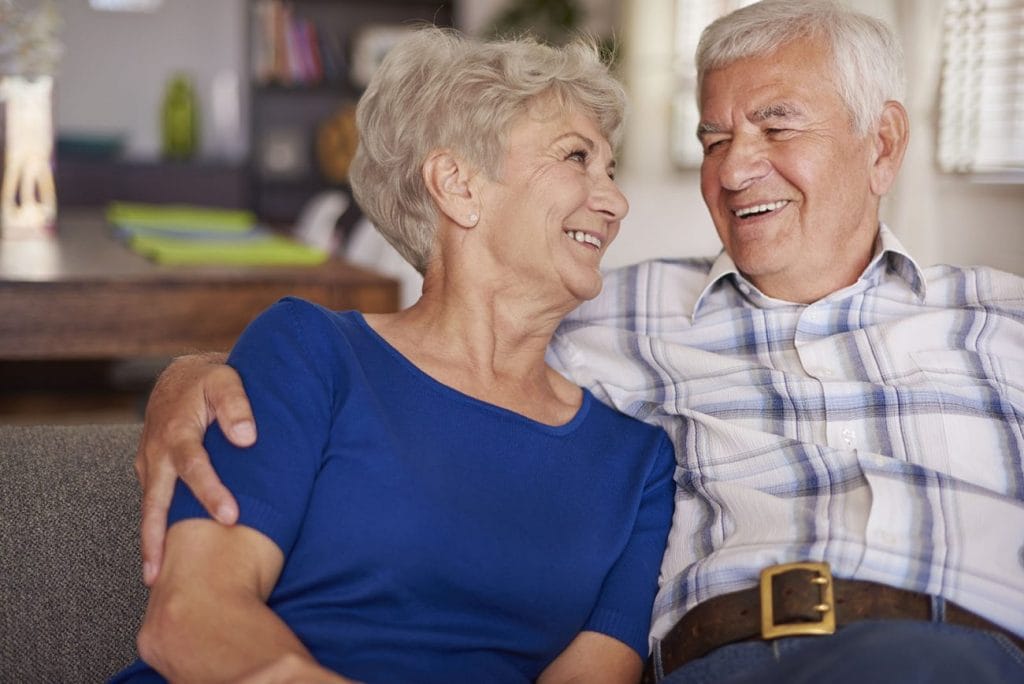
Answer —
(744, 163)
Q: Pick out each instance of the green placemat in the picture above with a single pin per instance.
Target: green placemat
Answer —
(180, 217)
(272, 250)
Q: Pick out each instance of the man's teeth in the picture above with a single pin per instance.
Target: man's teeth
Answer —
(761, 208)
(580, 236)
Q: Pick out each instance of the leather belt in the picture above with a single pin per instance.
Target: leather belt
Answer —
(797, 599)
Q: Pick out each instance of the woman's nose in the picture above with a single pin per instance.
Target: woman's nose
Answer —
(609, 199)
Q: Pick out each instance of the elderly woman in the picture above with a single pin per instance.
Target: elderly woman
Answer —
(428, 501)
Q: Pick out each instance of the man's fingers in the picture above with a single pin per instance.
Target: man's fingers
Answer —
(226, 400)
(177, 415)
(155, 502)
(193, 464)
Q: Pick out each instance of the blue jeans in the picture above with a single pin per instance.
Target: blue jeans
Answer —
(907, 652)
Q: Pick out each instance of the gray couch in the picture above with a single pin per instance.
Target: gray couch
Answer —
(71, 592)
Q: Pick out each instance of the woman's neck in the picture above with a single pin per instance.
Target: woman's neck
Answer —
(485, 341)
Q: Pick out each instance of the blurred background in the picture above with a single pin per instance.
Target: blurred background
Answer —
(270, 86)
(117, 64)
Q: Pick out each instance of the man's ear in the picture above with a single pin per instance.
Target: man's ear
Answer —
(448, 179)
(890, 145)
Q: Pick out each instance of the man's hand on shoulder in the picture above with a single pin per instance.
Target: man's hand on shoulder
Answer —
(189, 395)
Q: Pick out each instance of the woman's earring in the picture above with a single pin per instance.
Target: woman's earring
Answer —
(473, 218)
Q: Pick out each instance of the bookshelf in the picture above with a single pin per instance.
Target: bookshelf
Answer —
(308, 63)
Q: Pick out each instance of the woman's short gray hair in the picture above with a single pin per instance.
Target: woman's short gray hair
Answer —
(437, 89)
(867, 58)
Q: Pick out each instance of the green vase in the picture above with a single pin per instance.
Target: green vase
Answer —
(180, 119)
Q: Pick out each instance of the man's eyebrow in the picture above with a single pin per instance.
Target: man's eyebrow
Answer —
(707, 128)
(778, 110)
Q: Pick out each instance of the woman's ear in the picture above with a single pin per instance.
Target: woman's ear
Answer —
(448, 179)
(891, 140)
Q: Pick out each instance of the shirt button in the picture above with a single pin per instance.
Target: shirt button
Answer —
(849, 437)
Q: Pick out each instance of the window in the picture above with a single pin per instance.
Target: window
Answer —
(981, 107)
(125, 5)
(691, 18)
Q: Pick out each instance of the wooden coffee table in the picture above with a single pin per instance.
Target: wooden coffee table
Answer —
(84, 295)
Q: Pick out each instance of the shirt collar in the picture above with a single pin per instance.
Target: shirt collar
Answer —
(897, 260)
(889, 256)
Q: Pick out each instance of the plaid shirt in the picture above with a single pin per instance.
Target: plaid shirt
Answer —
(880, 429)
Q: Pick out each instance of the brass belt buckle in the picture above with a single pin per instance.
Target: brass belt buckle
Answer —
(826, 605)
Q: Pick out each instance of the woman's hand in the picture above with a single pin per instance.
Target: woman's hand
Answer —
(190, 394)
(294, 669)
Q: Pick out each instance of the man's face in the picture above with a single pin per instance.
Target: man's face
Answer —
(786, 179)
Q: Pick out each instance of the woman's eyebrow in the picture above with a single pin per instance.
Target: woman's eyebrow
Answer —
(590, 144)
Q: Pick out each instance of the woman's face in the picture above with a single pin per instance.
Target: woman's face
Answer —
(555, 209)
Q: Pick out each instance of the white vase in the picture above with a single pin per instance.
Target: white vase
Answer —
(28, 199)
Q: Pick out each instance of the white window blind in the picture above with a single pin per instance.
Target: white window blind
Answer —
(125, 5)
(691, 16)
(981, 110)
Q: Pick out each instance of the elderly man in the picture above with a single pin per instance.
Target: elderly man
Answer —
(849, 427)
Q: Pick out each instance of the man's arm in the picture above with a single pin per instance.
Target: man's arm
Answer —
(207, 618)
(189, 395)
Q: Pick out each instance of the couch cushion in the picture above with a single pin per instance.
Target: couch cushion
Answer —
(71, 592)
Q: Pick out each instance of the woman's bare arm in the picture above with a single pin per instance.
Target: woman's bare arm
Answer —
(207, 618)
(594, 658)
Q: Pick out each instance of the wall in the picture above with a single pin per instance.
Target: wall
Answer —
(112, 79)
(116, 64)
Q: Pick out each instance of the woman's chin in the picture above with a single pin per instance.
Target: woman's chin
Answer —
(585, 289)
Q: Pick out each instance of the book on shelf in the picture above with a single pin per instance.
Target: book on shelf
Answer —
(286, 47)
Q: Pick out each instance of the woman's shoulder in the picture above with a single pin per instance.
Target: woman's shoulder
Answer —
(302, 318)
(630, 428)
(306, 310)
(294, 325)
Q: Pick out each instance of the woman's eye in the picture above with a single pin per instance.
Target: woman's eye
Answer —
(579, 156)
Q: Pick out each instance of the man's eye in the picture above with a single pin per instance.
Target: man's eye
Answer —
(712, 145)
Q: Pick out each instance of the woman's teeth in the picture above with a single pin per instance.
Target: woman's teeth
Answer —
(580, 236)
